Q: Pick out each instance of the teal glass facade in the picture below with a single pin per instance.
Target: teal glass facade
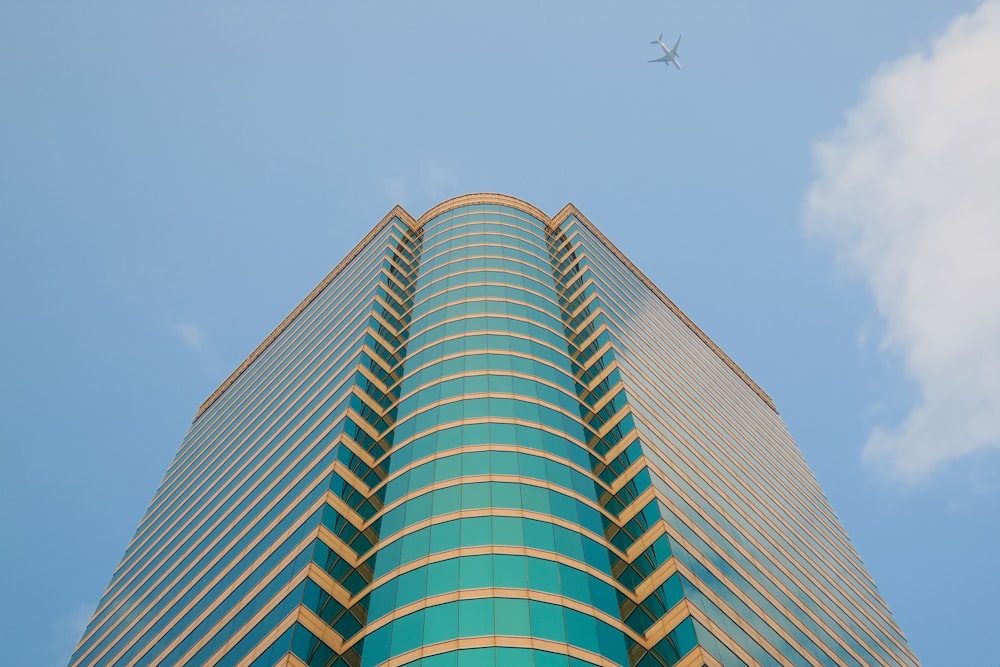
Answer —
(485, 438)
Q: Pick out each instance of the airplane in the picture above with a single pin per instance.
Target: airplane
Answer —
(669, 55)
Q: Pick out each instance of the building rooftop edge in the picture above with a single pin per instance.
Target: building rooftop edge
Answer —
(571, 210)
(483, 198)
(396, 212)
(554, 222)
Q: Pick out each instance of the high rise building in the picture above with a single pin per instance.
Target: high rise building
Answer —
(487, 438)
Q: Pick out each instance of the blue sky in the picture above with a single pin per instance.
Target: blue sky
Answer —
(815, 189)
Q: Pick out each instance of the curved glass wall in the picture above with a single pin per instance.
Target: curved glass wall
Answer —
(491, 535)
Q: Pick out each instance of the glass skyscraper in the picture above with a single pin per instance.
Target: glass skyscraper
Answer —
(487, 438)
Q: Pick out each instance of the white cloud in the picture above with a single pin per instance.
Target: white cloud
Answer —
(191, 334)
(908, 194)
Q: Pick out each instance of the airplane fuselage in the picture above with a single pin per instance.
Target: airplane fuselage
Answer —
(669, 55)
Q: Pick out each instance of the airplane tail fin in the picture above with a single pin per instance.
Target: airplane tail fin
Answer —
(657, 40)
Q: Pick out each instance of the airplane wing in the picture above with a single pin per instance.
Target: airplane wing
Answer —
(676, 45)
(661, 59)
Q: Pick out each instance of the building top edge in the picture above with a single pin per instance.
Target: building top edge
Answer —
(396, 212)
(569, 210)
(494, 198)
(554, 222)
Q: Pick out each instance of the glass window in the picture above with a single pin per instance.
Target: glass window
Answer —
(510, 571)
(540, 535)
(418, 509)
(440, 624)
(475, 495)
(449, 659)
(508, 530)
(548, 659)
(411, 586)
(504, 463)
(543, 575)
(407, 632)
(476, 657)
(448, 467)
(569, 544)
(414, 546)
(506, 494)
(535, 499)
(477, 531)
(443, 577)
(547, 621)
(512, 617)
(476, 572)
(448, 499)
(581, 630)
(475, 617)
